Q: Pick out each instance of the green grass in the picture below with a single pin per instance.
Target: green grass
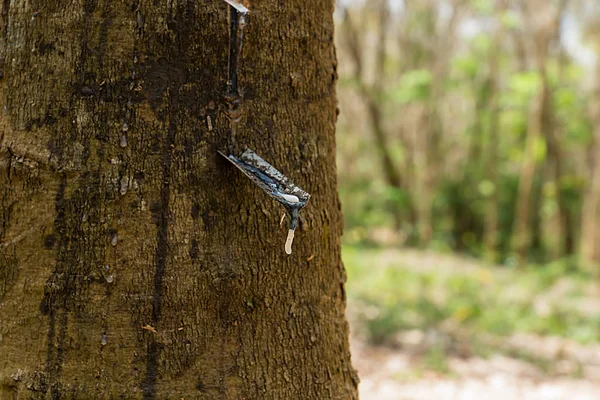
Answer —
(492, 300)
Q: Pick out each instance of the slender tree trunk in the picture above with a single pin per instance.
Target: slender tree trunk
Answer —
(434, 152)
(590, 213)
(566, 222)
(425, 179)
(522, 224)
(493, 144)
(491, 215)
(544, 26)
(552, 131)
(372, 96)
(134, 261)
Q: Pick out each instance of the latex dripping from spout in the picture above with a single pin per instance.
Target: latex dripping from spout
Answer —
(275, 184)
(290, 236)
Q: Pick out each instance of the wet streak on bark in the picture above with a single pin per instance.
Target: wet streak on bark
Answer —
(50, 356)
(4, 17)
(237, 23)
(162, 236)
(9, 267)
(56, 387)
(48, 307)
(64, 287)
(233, 50)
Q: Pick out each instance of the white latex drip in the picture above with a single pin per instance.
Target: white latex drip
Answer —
(289, 241)
(291, 198)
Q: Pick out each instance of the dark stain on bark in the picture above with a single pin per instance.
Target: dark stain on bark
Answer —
(51, 292)
(200, 386)
(9, 267)
(89, 6)
(49, 241)
(208, 216)
(159, 75)
(195, 211)
(7, 205)
(56, 367)
(65, 288)
(87, 91)
(50, 359)
(45, 48)
(194, 249)
(47, 120)
(107, 21)
(138, 176)
(160, 212)
(4, 15)
(52, 286)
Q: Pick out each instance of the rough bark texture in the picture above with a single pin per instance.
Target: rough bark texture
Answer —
(136, 263)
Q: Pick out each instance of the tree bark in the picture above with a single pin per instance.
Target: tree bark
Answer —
(552, 133)
(566, 221)
(372, 96)
(491, 222)
(544, 28)
(522, 235)
(590, 213)
(433, 151)
(134, 261)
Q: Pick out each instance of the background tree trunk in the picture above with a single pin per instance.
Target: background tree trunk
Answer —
(590, 212)
(373, 96)
(135, 262)
(491, 222)
(544, 29)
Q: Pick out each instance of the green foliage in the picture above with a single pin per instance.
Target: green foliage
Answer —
(414, 86)
(568, 103)
(466, 67)
(521, 87)
(485, 100)
(483, 6)
(368, 201)
(509, 19)
(482, 43)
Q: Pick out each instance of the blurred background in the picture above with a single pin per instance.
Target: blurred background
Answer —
(469, 174)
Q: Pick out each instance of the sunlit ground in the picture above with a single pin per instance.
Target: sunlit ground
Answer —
(436, 326)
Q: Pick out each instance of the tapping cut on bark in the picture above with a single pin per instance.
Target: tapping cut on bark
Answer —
(238, 18)
(273, 182)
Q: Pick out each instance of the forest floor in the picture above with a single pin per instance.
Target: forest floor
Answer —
(450, 353)
(397, 374)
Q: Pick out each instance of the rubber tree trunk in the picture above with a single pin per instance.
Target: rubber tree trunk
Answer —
(134, 261)
(590, 214)
(491, 221)
(522, 229)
